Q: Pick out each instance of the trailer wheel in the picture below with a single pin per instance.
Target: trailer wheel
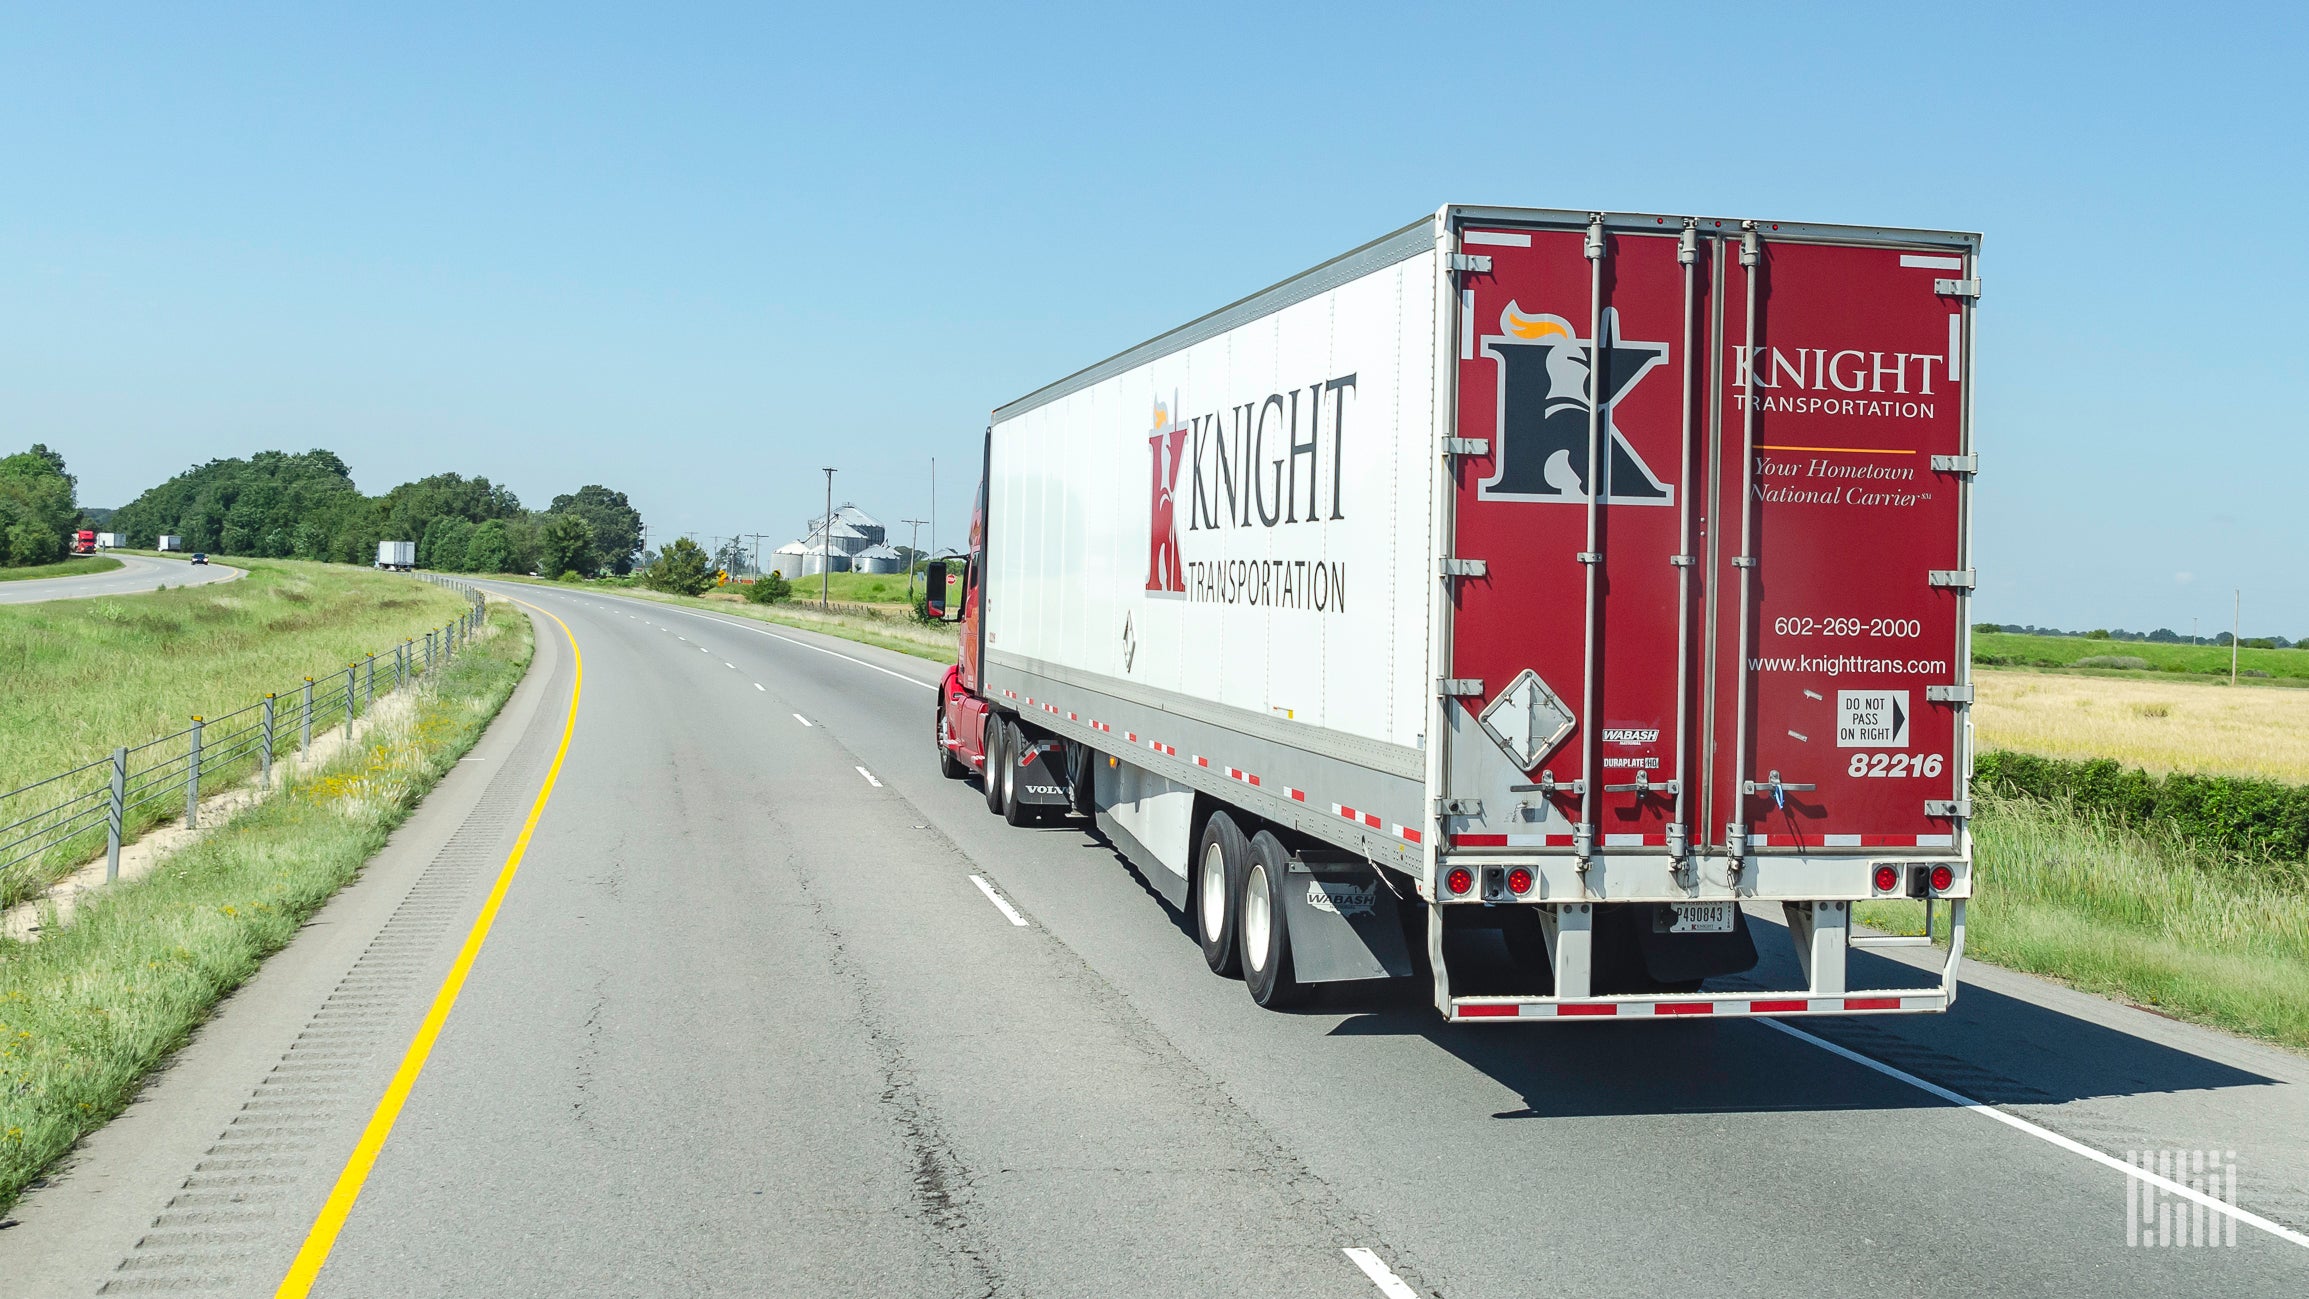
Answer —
(990, 776)
(1266, 933)
(949, 766)
(1218, 885)
(1015, 811)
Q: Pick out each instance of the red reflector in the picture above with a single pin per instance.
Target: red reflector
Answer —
(1588, 1008)
(1480, 1012)
(1778, 1007)
(1942, 877)
(1685, 1008)
(1459, 879)
(1872, 1003)
(1887, 879)
(1519, 880)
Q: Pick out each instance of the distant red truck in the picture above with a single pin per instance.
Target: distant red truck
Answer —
(84, 542)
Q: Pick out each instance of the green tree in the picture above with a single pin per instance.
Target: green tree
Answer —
(564, 545)
(37, 507)
(490, 550)
(681, 569)
(30, 542)
(616, 525)
(770, 588)
(444, 543)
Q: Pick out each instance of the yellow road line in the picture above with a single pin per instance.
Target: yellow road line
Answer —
(323, 1236)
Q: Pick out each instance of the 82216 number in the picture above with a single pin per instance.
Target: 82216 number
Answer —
(1895, 764)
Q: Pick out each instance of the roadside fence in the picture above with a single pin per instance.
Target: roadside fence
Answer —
(53, 825)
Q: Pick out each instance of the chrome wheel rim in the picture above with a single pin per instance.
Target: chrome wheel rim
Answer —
(1257, 914)
(1214, 891)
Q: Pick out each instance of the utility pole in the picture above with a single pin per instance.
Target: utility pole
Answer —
(826, 546)
(913, 554)
(2236, 624)
(757, 539)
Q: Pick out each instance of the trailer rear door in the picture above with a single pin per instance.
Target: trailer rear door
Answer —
(1839, 579)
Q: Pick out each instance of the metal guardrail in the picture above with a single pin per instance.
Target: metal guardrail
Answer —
(56, 821)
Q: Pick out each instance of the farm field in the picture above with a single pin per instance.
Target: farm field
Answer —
(2134, 658)
(2163, 726)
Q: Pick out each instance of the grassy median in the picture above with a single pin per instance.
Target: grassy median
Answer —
(92, 1007)
(78, 566)
(890, 627)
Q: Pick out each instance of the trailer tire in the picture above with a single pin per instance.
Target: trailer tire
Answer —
(1015, 811)
(1218, 884)
(990, 775)
(949, 766)
(1264, 924)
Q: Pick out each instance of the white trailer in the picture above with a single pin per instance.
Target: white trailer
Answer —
(397, 556)
(1546, 586)
(170, 541)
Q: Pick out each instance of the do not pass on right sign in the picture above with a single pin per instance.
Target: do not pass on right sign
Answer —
(1872, 719)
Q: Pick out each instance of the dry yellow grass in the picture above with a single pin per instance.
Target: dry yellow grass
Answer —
(2160, 725)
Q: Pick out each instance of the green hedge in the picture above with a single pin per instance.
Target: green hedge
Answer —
(2257, 818)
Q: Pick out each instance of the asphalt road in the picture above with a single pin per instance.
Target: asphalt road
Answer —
(136, 573)
(748, 1024)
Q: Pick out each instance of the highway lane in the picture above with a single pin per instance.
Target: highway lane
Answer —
(749, 1024)
(137, 573)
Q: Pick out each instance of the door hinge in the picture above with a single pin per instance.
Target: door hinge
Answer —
(1465, 568)
(1743, 561)
(1956, 577)
(1965, 464)
(1459, 806)
(1683, 561)
(1959, 809)
(1948, 694)
(1459, 686)
(1480, 263)
(1589, 556)
(1957, 288)
(1467, 446)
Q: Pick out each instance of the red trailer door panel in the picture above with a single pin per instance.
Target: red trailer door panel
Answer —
(1836, 601)
(1583, 622)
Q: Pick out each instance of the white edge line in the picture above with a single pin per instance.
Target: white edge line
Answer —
(1381, 1275)
(1005, 908)
(797, 717)
(2247, 1217)
(869, 777)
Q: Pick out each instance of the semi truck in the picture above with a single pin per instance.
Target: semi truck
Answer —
(397, 556)
(170, 542)
(1520, 601)
(84, 542)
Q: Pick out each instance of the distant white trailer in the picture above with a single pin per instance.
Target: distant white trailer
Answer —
(171, 541)
(107, 540)
(397, 556)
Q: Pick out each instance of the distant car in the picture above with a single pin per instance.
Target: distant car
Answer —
(200, 557)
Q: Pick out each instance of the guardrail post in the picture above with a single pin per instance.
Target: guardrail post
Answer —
(115, 813)
(352, 697)
(369, 682)
(305, 745)
(265, 753)
(428, 653)
(401, 664)
(192, 781)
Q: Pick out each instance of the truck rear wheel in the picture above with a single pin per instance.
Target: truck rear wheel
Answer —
(990, 775)
(1265, 928)
(1218, 883)
(949, 766)
(1015, 746)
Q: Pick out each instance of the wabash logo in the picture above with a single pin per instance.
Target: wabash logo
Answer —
(1549, 383)
(1165, 448)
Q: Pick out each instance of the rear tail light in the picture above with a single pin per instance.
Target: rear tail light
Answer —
(1887, 879)
(1459, 880)
(1942, 879)
(1519, 880)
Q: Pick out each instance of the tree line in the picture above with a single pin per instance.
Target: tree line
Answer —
(282, 505)
(38, 507)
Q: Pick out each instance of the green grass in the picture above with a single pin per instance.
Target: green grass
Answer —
(78, 677)
(91, 1008)
(2012, 649)
(74, 567)
(891, 630)
(856, 588)
(2147, 918)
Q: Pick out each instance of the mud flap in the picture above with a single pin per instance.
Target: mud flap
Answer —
(1043, 779)
(1344, 924)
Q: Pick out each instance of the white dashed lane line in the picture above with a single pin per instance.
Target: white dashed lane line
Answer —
(758, 686)
(869, 777)
(1381, 1275)
(797, 717)
(1016, 919)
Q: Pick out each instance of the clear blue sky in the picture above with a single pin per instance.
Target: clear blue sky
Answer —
(696, 252)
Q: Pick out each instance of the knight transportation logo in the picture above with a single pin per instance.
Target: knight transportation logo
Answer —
(1163, 571)
(1548, 393)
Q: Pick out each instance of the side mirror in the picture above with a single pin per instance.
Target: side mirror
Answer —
(934, 589)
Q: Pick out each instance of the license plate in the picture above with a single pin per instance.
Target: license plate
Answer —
(1693, 918)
